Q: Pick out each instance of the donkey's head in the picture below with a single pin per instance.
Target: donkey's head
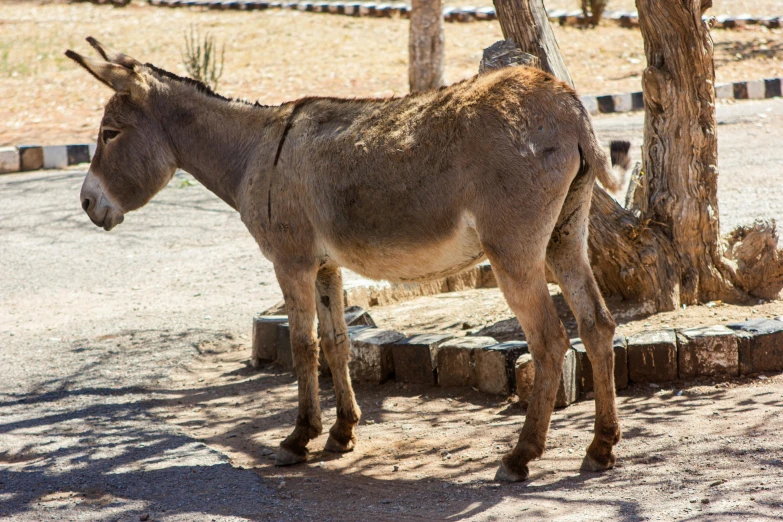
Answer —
(133, 160)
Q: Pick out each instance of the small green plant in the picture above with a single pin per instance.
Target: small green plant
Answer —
(201, 58)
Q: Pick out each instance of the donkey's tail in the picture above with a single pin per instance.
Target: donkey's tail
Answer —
(594, 156)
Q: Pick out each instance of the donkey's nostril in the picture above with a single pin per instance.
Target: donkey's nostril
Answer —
(86, 204)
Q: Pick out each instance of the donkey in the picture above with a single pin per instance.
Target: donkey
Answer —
(499, 166)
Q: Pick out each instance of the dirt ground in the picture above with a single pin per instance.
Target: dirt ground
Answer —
(274, 56)
(125, 389)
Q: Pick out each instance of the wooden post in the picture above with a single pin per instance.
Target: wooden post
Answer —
(426, 45)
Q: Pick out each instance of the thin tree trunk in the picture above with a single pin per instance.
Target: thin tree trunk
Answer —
(426, 59)
(630, 258)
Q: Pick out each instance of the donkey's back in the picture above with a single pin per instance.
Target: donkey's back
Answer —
(399, 189)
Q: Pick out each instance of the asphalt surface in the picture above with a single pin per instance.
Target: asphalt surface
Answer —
(93, 326)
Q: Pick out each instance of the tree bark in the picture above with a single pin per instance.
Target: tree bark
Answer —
(426, 54)
(526, 23)
(680, 152)
(630, 258)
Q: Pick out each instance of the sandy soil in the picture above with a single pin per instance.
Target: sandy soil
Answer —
(274, 56)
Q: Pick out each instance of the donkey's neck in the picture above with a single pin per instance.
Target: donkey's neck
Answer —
(219, 142)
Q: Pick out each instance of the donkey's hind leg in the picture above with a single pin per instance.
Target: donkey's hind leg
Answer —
(523, 283)
(299, 292)
(568, 259)
(336, 346)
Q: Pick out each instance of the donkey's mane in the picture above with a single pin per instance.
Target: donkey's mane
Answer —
(199, 86)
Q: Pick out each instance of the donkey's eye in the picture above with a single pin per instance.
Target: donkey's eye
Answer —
(108, 135)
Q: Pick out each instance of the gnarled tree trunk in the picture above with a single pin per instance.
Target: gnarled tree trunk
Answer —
(680, 152)
(426, 56)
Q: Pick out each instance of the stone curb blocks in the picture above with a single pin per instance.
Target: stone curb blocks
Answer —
(371, 354)
(416, 358)
(464, 14)
(285, 356)
(55, 157)
(456, 361)
(33, 157)
(620, 362)
(569, 389)
(586, 368)
(747, 90)
(265, 338)
(652, 357)
(30, 158)
(707, 351)
(495, 367)
(9, 160)
(760, 345)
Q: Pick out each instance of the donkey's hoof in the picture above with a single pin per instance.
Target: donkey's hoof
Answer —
(504, 474)
(592, 464)
(286, 457)
(336, 446)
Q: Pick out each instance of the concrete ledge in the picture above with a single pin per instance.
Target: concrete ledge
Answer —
(416, 358)
(652, 357)
(760, 345)
(708, 351)
(456, 361)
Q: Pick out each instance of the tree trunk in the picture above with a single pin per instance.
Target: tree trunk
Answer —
(630, 258)
(426, 56)
(680, 152)
(526, 23)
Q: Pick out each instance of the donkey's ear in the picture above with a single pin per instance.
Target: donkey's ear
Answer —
(119, 78)
(111, 56)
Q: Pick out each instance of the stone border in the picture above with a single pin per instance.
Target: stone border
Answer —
(26, 158)
(451, 14)
(654, 357)
(34, 157)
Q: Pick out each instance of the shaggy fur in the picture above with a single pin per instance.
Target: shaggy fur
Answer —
(500, 166)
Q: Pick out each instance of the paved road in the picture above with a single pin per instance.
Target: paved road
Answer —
(77, 441)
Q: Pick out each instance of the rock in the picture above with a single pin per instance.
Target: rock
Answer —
(371, 354)
(30, 158)
(9, 160)
(456, 361)
(586, 368)
(495, 366)
(416, 358)
(707, 351)
(356, 316)
(567, 393)
(505, 330)
(652, 356)
(620, 362)
(265, 338)
(760, 345)
(284, 357)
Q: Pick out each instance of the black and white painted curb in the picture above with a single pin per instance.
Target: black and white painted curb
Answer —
(32, 157)
(452, 14)
(634, 101)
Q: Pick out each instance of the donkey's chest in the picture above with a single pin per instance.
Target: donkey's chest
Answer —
(398, 260)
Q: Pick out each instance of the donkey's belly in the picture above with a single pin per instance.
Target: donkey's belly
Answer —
(413, 261)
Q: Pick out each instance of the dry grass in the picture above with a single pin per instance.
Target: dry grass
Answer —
(274, 56)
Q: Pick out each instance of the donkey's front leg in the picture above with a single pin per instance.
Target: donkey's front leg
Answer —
(336, 346)
(299, 292)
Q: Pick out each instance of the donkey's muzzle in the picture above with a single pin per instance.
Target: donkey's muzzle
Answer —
(99, 209)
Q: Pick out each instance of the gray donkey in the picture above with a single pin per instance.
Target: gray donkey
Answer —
(500, 166)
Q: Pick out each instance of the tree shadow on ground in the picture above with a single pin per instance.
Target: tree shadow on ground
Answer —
(110, 442)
